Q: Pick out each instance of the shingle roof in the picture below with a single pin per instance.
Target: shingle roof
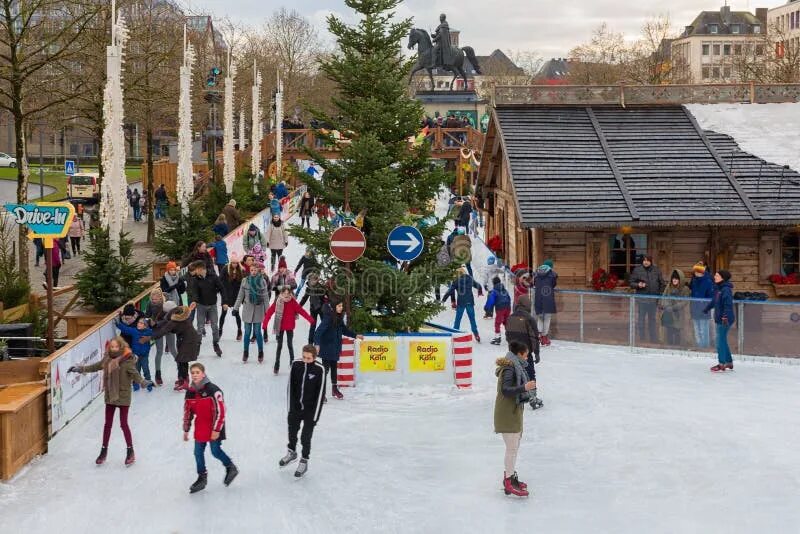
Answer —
(578, 165)
(745, 19)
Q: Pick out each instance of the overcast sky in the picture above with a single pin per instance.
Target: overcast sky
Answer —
(549, 27)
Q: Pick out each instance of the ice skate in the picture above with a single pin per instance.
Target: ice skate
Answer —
(239, 335)
(477, 338)
(515, 480)
(720, 367)
(231, 472)
(495, 341)
(217, 349)
(336, 393)
(512, 488)
(101, 459)
(158, 379)
(130, 457)
(302, 467)
(729, 366)
(290, 457)
(245, 355)
(535, 401)
(199, 484)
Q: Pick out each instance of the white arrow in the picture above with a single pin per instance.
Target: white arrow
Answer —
(411, 243)
(347, 244)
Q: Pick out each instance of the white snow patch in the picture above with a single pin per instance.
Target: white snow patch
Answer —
(768, 131)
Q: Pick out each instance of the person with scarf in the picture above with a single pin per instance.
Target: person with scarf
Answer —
(231, 277)
(513, 393)
(252, 238)
(119, 373)
(156, 311)
(283, 277)
(328, 339)
(673, 308)
(253, 299)
(277, 240)
(172, 284)
(285, 308)
(178, 322)
(205, 405)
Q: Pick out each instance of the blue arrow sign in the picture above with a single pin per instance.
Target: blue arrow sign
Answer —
(405, 243)
(69, 167)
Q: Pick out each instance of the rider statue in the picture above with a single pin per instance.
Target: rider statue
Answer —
(443, 49)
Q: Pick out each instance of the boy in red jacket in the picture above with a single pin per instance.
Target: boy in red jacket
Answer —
(205, 404)
(285, 308)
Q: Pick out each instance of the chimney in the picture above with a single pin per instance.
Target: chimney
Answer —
(761, 14)
(688, 31)
(725, 14)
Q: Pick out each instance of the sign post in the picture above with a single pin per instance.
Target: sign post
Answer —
(69, 167)
(48, 221)
(348, 244)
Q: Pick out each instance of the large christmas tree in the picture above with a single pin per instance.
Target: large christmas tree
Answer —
(379, 173)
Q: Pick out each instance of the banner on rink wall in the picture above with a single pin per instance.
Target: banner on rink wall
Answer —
(427, 356)
(377, 356)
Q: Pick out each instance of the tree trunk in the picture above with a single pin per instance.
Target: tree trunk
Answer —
(151, 223)
(22, 178)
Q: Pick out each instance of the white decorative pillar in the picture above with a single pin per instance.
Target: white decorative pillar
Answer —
(279, 128)
(255, 133)
(241, 128)
(185, 185)
(228, 158)
(113, 200)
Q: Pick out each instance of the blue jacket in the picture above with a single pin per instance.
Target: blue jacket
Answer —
(328, 335)
(722, 303)
(139, 349)
(275, 207)
(220, 229)
(498, 298)
(220, 252)
(544, 298)
(702, 288)
(463, 290)
(281, 191)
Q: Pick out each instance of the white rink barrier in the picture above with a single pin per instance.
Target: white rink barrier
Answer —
(442, 356)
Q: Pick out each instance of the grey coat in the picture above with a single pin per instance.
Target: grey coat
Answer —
(277, 238)
(251, 313)
(651, 276)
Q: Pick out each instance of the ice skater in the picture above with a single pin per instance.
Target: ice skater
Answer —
(498, 301)
(306, 391)
(119, 372)
(140, 336)
(513, 393)
(521, 327)
(724, 317)
(285, 308)
(204, 403)
(328, 339)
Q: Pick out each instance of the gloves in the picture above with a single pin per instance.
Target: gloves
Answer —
(235, 313)
(725, 321)
(73, 369)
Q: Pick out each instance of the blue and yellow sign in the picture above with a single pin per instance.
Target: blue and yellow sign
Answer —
(46, 220)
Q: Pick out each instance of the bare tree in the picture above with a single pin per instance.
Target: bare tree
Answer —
(649, 61)
(771, 58)
(35, 36)
(601, 60)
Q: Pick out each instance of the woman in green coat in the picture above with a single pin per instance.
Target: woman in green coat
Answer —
(673, 311)
(119, 372)
(513, 393)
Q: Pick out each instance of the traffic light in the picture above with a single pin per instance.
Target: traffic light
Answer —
(213, 73)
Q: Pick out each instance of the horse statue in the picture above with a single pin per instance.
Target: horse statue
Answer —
(425, 57)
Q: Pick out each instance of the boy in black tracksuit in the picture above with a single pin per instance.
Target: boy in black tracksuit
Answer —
(305, 392)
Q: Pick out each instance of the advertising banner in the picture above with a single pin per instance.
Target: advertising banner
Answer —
(72, 392)
(377, 356)
(427, 356)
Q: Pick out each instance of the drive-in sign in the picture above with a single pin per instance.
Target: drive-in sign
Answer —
(348, 243)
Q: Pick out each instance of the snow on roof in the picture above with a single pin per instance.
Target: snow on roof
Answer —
(768, 131)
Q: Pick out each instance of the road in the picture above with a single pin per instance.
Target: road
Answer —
(8, 191)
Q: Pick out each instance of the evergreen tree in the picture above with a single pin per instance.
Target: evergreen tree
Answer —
(108, 281)
(178, 235)
(378, 171)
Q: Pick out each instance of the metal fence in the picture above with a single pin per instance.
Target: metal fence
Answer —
(762, 328)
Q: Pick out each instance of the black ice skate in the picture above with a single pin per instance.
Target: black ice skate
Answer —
(495, 341)
(217, 349)
(230, 473)
(200, 483)
(302, 467)
(101, 459)
(290, 457)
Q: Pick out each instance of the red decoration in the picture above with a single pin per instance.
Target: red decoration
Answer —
(781, 280)
(495, 244)
(601, 280)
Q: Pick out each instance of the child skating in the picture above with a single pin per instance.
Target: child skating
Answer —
(119, 371)
(204, 403)
(286, 309)
(140, 336)
(500, 301)
(306, 391)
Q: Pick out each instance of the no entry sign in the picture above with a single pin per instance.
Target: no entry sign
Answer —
(348, 243)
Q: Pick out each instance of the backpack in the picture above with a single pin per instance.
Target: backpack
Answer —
(502, 298)
(443, 257)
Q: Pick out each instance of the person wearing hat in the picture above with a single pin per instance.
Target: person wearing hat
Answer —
(465, 301)
(283, 277)
(253, 298)
(648, 281)
(172, 284)
(178, 321)
(521, 328)
(285, 309)
(277, 239)
(129, 316)
(544, 304)
(522, 285)
(673, 308)
(252, 238)
(498, 301)
(702, 290)
(232, 214)
(724, 317)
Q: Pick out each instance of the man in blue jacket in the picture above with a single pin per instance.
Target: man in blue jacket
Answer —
(702, 287)
(724, 317)
(465, 301)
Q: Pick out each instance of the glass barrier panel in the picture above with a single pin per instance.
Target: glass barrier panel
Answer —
(565, 324)
(606, 318)
(673, 323)
(770, 328)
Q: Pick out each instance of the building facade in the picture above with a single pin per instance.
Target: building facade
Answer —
(785, 22)
(709, 48)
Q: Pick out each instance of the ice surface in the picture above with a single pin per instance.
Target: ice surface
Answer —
(769, 131)
(625, 443)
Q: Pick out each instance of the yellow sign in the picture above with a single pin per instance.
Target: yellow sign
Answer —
(427, 356)
(377, 356)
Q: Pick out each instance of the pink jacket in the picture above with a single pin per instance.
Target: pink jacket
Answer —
(289, 320)
(76, 229)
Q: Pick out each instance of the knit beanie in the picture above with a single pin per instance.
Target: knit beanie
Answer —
(130, 310)
(699, 268)
(282, 263)
(726, 275)
(549, 263)
(171, 265)
(496, 280)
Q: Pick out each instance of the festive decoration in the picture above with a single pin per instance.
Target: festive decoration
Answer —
(185, 185)
(790, 279)
(241, 128)
(602, 281)
(229, 163)
(279, 127)
(113, 201)
(255, 128)
(495, 244)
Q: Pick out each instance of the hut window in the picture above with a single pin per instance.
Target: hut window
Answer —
(625, 252)
(790, 254)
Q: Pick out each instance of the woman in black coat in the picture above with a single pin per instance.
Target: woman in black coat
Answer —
(231, 277)
(306, 209)
(328, 338)
(179, 323)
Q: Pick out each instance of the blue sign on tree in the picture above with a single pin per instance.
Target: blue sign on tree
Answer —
(405, 243)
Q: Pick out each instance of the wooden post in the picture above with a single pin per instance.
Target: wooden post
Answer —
(48, 259)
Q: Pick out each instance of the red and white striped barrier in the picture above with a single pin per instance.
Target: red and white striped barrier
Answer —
(462, 359)
(346, 368)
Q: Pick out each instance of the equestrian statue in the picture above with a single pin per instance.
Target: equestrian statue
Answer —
(439, 53)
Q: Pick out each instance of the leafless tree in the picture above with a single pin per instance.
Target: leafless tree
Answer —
(649, 61)
(601, 60)
(771, 58)
(35, 37)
